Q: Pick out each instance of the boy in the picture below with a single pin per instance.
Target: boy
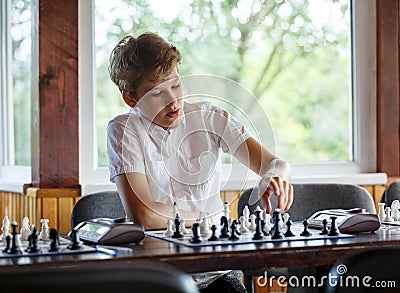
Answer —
(167, 150)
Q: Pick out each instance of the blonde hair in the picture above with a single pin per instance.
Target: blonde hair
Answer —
(148, 56)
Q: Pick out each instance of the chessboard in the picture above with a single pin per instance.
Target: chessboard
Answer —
(253, 229)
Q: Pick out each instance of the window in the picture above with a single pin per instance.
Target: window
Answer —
(308, 63)
(15, 89)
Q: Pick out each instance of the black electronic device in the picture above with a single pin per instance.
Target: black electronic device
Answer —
(110, 231)
(348, 221)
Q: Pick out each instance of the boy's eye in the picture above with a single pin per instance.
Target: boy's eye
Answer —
(176, 86)
(156, 93)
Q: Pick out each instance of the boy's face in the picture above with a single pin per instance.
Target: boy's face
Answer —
(161, 101)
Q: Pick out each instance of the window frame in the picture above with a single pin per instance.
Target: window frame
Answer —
(12, 177)
(363, 116)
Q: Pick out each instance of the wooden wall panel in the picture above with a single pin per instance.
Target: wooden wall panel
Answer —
(388, 96)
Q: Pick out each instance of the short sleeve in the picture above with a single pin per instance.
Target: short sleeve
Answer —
(124, 150)
(228, 130)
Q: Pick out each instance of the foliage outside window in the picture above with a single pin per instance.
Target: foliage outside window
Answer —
(294, 56)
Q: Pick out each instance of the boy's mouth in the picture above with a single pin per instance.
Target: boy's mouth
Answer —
(173, 114)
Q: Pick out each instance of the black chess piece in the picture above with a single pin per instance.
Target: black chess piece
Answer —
(33, 239)
(75, 242)
(334, 231)
(305, 232)
(258, 235)
(277, 229)
(196, 238)
(324, 227)
(54, 240)
(234, 232)
(224, 228)
(8, 244)
(289, 232)
(15, 249)
(213, 236)
(177, 232)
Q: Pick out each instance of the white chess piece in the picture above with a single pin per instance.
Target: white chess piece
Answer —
(246, 214)
(381, 211)
(45, 231)
(243, 225)
(395, 210)
(183, 227)
(388, 217)
(25, 231)
(205, 227)
(285, 217)
(252, 222)
(226, 210)
(170, 228)
(5, 228)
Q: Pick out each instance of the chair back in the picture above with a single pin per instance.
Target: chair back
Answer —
(99, 277)
(368, 271)
(105, 204)
(391, 193)
(312, 197)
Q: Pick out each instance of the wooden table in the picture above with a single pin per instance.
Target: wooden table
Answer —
(243, 257)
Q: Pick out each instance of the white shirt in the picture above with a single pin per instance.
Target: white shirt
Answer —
(182, 164)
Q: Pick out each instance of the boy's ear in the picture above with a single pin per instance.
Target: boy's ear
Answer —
(129, 100)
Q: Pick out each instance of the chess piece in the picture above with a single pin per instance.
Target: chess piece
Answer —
(177, 233)
(54, 240)
(8, 244)
(25, 231)
(44, 232)
(289, 232)
(252, 225)
(277, 228)
(395, 210)
(213, 231)
(14, 242)
(324, 227)
(234, 232)
(224, 228)
(334, 231)
(246, 215)
(305, 232)
(5, 228)
(174, 210)
(170, 228)
(183, 227)
(75, 242)
(226, 210)
(205, 227)
(267, 223)
(285, 217)
(196, 238)
(258, 235)
(243, 225)
(381, 211)
(33, 239)
(388, 215)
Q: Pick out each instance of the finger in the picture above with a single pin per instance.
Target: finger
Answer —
(267, 201)
(290, 197)
(275, 182)
(282, 198)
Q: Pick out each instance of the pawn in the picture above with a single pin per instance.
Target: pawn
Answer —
(243, 225)
(177, 233)
(170, 228)
(289, 232)
(381, 211)
(183, 227)
(334, 231)
(388, 215)
(54, 240)
(252, 225)
(196, 234)
(324, 227)
(213, 236)
(234, 233)
(75, 243)
(305, 232)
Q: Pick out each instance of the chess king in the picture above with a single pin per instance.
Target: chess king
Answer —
(167, 149)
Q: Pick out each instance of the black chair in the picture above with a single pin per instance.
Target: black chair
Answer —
(308, 199)
(368, 271)
(105, 204)
(391, 193)
(99, 277)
